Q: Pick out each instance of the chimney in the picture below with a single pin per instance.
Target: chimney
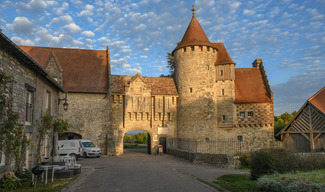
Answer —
(257, 63)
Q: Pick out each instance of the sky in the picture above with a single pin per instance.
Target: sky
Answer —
(289, 35)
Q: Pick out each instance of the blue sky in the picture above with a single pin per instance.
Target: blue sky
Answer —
(289, 35)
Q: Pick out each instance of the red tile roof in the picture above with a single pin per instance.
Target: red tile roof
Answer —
(158, 85)
(318, 100)
(223, 55)
(84, 70)
(194, 35)
(250, 86)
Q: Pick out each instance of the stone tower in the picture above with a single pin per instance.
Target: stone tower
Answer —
(195, 58)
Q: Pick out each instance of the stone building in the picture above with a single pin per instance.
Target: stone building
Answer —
(306, 130)
(33, 93)
(209, 99)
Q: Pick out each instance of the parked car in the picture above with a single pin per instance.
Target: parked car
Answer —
(89, 149)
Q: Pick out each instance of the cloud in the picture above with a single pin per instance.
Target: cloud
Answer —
(64, 19)
(34, 5)
(21, 25)
(88, 11)
(62, 9)
(144, 57)
(249, 12)
(88, 33)
(73, 28)
(21, 41)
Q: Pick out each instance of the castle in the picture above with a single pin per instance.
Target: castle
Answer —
(208, 99)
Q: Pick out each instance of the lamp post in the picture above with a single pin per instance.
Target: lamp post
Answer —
(65, 104)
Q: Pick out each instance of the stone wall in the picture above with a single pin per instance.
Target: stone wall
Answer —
(89, 116)
(24, 80)
(218, 160)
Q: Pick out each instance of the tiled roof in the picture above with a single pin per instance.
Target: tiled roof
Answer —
(83, 70)
(158, 85)
(250, 86)
(194, 35)
(318, 100)
(223, 56)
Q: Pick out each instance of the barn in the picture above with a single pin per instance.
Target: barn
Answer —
(306, 131)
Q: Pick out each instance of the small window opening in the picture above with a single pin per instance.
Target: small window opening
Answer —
(250, 113)
(240, 138)
(191, 90)
(201, 48)
(221, 72)
(242, 114)
(208, 48)
(223, 92)
(223, 117)
(207, 67)
(184, 49)
(192, 48)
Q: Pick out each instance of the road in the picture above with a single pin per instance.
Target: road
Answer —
(136, 171)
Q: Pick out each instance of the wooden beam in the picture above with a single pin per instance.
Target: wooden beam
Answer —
(315, 139)
(286, 137)
(304, 131)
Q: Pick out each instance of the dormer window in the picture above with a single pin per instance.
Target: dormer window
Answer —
(221, 72)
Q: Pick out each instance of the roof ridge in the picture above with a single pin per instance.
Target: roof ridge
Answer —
(316, 93)
(60, 48)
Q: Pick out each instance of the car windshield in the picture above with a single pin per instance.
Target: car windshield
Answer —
(88, 144)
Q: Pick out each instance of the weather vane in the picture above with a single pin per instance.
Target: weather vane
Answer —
(193, 10)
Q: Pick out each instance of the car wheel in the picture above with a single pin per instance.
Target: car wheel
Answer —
(85, 154)
(98, 156)
(74, 155)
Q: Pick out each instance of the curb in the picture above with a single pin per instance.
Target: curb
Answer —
(73, 186)
(203, 181)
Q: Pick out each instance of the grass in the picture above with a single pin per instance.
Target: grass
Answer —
(236, 183)
(54, 186)
(134, 145)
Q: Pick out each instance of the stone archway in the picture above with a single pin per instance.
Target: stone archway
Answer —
(152, 140)
(69, 136)
(137, 141)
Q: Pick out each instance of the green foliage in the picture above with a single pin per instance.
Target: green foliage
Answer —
(171, 64)
(61, 126)
(284, 160)
(236, 183)
(140, 137)
(9, 184)
(245, 160)
(13, 139)
(281, 121)
(302, 181)
(44, 127)
(261, 164)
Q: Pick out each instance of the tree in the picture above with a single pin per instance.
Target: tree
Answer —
(281, 121)
(171, 64)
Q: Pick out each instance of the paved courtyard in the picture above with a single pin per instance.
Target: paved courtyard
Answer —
(136, 171)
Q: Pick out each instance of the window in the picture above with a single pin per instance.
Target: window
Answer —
(242, 114)
(192, 48)
(201, 48)
(191, 90)
(168, 103)
(144, 103)
(29, 107)
(48, 102)
(184, 49)
(222, 92)
(250, 113)
(223, 117)
(207, 67)
(208, 48)
(168, 114)
(221, 72)
(240, 138)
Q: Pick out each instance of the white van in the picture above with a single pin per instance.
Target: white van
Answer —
(69, 147)
(77, 148)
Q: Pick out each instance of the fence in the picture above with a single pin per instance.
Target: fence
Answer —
(230, 147)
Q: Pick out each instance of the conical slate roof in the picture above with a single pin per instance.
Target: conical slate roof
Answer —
(194, 35)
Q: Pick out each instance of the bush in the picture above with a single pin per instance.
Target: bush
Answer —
(284, 160)
(308, 181)
(9, 184)
(245, 160)
(261, 164)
